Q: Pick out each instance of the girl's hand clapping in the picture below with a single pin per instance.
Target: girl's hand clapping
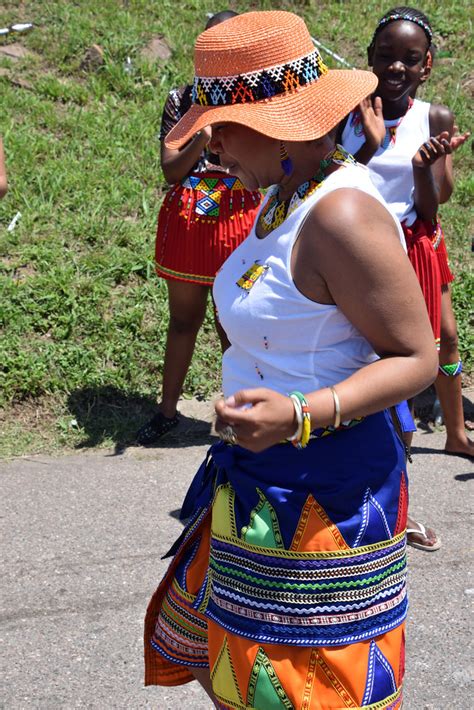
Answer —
(371, 114)
(437, 147)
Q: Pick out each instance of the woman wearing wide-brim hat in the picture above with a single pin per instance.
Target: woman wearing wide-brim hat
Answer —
(287, 587)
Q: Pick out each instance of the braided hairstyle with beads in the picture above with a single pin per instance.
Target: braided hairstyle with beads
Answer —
(408, 14)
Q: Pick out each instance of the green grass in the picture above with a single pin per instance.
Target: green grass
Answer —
(82, 313)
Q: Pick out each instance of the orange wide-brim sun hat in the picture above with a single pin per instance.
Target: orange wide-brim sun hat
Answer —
(262, 70)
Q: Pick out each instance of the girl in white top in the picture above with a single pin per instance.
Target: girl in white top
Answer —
(407, 145)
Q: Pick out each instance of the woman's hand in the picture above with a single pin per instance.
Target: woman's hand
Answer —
(269, 419)
(206, 134)
(437, 147)
(371, 114)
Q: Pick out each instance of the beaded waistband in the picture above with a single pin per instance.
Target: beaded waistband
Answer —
(307, 598)
(325, 431)
(212, 183)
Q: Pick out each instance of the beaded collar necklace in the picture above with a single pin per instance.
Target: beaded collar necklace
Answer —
(390, 131)
(276, 211)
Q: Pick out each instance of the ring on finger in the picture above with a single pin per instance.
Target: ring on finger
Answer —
(228, 435)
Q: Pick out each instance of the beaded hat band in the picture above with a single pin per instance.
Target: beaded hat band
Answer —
(258, 85)
(261, 69)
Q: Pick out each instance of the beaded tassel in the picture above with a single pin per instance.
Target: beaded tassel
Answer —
(285, 160)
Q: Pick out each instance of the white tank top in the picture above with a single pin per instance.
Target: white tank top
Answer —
(279, 338)
(390, 168)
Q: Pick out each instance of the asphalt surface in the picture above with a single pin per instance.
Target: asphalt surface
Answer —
(81, 541)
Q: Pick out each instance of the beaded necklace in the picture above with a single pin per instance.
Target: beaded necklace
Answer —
(390, 131)
(276, 211)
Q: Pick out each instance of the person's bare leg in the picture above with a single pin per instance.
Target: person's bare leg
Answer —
(204, 679)
(449, 388)
(187, 304)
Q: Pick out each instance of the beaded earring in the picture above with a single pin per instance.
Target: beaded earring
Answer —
(285, 160)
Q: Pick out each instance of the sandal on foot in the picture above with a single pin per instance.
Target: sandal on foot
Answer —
(421, 531)
(157, 427)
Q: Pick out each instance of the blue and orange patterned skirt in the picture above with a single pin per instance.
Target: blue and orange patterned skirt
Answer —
(289, 580)
(201, 221)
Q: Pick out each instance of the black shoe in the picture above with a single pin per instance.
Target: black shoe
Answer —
(157, 427)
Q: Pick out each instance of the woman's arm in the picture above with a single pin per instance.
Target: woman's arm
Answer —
(349, 253)
(3, 172)
(176, 164)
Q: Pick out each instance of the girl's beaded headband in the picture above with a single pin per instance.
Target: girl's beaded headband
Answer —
(409, 18)
(258, 85)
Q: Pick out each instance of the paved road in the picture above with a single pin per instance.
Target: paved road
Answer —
(82, 538)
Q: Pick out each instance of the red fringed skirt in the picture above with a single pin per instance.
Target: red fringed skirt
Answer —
(422, 239)
(447, 275)
(201, 221)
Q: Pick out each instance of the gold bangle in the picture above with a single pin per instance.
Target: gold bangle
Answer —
(337, 408)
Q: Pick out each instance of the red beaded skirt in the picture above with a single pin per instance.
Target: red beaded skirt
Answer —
(201, 221)
(422, 238)
(447, 275)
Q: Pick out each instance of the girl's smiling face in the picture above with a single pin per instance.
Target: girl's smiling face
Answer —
(398, 58)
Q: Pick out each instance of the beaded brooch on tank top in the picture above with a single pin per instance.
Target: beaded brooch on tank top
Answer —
(276, 211)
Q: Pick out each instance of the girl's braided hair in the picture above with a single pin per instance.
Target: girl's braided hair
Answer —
(409, 14)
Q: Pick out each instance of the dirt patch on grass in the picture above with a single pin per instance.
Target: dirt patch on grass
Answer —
(18, 272)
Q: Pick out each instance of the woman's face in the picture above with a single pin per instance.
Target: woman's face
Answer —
(399, 60)
(251, 156)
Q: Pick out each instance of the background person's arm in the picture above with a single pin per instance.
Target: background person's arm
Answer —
(176, 164)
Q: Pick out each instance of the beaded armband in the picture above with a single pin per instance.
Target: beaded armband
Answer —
(302, 412)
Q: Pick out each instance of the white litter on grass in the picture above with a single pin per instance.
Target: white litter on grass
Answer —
(12, 224)
(21, 27)
(18, 27)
